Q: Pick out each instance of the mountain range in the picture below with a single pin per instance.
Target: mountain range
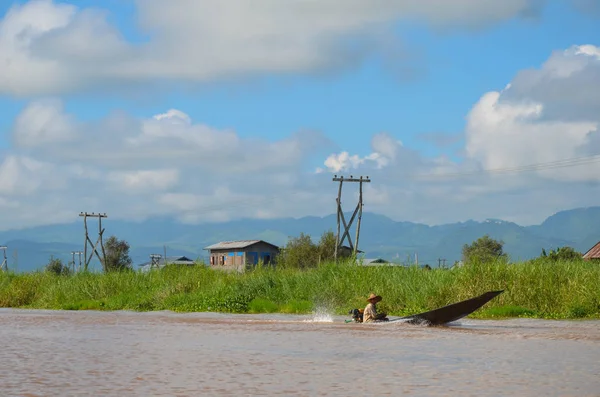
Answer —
(380, 237)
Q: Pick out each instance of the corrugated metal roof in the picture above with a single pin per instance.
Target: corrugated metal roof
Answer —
(228, 245)
(593, 253)
(173, 260)
(374, 260)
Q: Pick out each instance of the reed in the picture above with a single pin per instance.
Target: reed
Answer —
(538, 288)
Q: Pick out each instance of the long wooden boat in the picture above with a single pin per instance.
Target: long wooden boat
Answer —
(440, 316)
(450, 313)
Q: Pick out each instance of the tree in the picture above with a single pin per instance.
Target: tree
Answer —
(484, 249)
(326, 247)
(563, 254)
(57, 267)
(117, 255)
(299, 252)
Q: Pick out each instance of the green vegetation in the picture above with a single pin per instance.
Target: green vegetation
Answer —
(484, 249)
(117, 255)
(57, 267)
(300, 252)
(559, 285)
(540, 288)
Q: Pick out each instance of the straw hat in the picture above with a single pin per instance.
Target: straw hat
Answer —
(374, 297)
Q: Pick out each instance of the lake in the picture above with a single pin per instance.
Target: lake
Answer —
(60, 353)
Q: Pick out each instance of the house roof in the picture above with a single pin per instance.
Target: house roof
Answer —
(240, 244)
(379, 262)
(174, 260)
(350, 249)
(374, 260)
(593, 253)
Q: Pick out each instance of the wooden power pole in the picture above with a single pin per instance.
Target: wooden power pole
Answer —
(73, 262)
(4, 265)
(155, 261)
(87, 259)
(340, 214)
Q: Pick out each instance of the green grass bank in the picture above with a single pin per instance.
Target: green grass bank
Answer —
(538, 289)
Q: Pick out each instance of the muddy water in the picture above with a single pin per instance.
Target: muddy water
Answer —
(166, 354)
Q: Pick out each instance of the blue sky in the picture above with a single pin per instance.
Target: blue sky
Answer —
(425, 80)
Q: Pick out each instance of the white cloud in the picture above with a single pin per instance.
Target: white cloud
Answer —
(505, 135)
(48, 47)
(145, 180)
(506, 130)
(565, 85)
(524, 124)
(43, 122)
(165, 164)
(171, 165)
(384, 146)
(590, 7)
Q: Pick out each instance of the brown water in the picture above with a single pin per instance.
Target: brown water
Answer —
(46, 353)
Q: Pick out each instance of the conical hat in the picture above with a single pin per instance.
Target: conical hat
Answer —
(374, 297)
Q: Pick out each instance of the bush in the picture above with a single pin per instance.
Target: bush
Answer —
(562, 254)
(484, 249)
(117, 255)
(56, 266)
(301, 253)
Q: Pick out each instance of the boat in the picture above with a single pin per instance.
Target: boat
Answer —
(442, 315)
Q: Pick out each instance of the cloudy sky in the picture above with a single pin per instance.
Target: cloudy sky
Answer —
(206, 110)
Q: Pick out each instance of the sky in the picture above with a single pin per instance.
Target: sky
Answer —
(208, 111)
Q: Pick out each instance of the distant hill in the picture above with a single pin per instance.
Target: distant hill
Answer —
(380, 237)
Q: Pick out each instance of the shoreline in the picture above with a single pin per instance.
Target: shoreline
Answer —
(314, 317)
(536, 289)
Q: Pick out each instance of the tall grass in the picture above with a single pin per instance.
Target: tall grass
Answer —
(542, 289)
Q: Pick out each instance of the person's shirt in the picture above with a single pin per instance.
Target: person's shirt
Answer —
(370, 313)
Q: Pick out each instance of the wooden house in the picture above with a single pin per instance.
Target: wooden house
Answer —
(242, 254)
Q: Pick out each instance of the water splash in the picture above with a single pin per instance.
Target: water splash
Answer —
(320, 316)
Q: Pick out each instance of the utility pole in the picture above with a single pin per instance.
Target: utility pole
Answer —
(340, 214)
(4, 265)
(155, 260)
(440, 261)
(86, 215)
(73, 262)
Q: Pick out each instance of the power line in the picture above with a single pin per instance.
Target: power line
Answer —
(564, 163)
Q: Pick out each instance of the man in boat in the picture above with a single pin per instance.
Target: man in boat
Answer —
(370, 314)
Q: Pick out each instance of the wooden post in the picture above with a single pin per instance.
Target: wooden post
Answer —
(338, 210)
(155, 261)
(4, 264)
(341, 217)
(100, 234)
(87, 259)
(360, 205)
(76, 268)
(85, 267)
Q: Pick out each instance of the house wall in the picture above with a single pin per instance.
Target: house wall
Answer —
(239, 259)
